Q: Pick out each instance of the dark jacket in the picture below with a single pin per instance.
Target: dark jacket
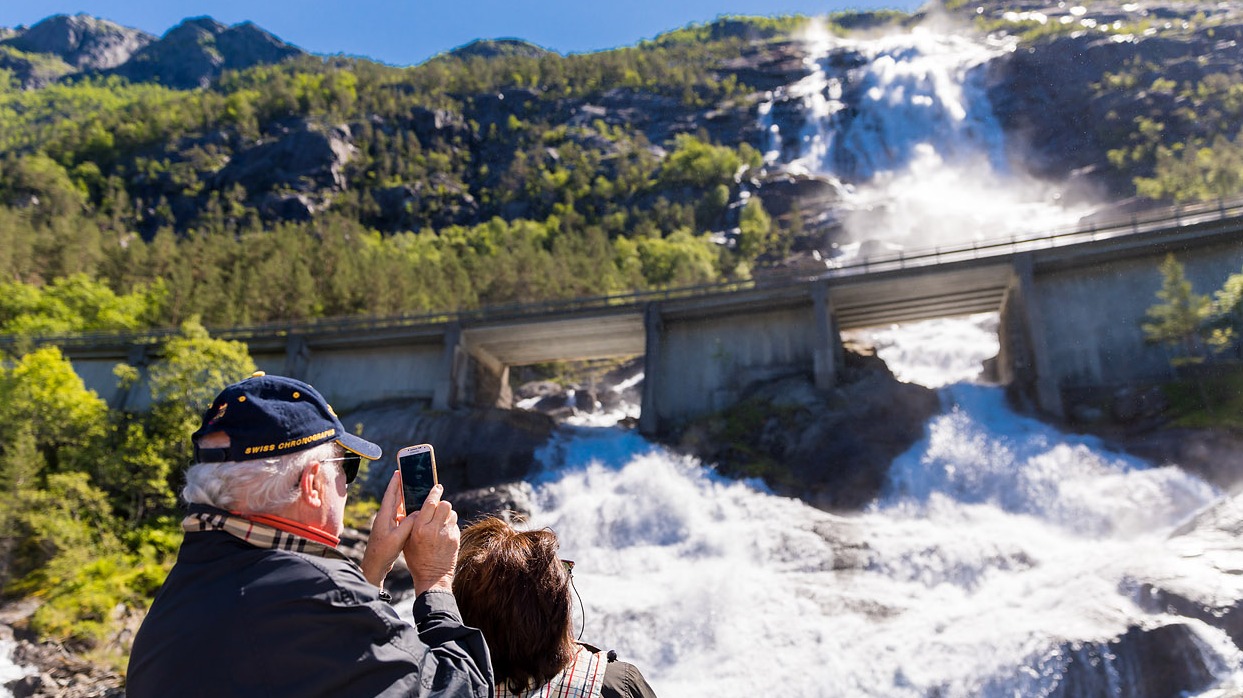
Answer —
(237, 620)
(622, 680)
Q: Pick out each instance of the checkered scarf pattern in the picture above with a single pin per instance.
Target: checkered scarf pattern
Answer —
(583, 678)
(256, 534)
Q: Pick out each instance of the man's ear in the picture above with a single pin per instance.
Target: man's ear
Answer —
(309, 485)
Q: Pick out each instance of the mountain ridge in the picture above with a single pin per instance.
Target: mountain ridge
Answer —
(655, 154)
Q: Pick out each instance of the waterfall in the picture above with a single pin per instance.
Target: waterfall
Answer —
(1004, 557)
(902, 124)
(1001, 553)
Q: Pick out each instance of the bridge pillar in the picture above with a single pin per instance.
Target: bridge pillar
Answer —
(444, 395)
(297, 357)
(129, 396)
(827, 339)
(1025, 356)
(479, 378)
(649, 422)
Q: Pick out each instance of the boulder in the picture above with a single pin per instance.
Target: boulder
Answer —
(807, 203)
(1150, 662)
(832, 450)
(1214, 455)
(305, 159)
(474, 448)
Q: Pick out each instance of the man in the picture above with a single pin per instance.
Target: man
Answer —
(260, 602)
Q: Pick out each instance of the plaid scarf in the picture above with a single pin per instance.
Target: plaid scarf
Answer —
(583, 678)
(256, 534)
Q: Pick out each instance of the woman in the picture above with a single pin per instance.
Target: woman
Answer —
(511, 585)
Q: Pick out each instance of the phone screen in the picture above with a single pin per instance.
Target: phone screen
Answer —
(418, 475)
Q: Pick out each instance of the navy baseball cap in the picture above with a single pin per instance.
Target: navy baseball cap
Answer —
(267, 416)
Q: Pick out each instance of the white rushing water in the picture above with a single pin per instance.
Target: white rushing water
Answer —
(903, 124)
(998, 541)
(1000, 547)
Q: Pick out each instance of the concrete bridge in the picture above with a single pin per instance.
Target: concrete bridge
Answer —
(1071, 305)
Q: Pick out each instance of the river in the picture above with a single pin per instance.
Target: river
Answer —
(999, 543)
(1003, 554)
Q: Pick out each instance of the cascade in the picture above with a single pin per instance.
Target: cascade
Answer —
(1004, 557)
(902, 126)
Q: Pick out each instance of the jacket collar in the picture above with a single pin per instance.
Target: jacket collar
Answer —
(262, 531)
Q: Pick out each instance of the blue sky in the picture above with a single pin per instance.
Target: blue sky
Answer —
(406, 32)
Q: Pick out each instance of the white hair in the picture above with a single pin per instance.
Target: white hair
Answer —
(257, 486)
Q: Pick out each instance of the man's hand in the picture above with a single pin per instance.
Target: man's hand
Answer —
(431, 549)
(388, 535)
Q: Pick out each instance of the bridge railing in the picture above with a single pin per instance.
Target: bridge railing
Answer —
(1106, 228)
(362, 325)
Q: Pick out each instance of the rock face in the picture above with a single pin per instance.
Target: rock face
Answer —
(475, 449)
(198, 50)
(304, 159)
(833, 451)
(1150, 663)
(492, 48)
(82, 41)
(190, 55)
(67, 45)
(1051, 100)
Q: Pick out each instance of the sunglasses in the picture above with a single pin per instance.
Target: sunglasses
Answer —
(568, 565)
(350, 464)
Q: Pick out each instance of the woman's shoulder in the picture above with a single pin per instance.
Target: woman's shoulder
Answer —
(622, 679)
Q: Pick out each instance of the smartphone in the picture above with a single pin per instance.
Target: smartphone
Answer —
(418, 475)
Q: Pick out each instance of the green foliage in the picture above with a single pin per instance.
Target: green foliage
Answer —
(694, 163)
(1188, 173)
(731, 26)
(755, 230)
(75, 303)
(1211, 401)
(1178, 321)
(678, 260)
(42, 397)
(88, 492)
(85, 597)
(145, 472)
(1180, 148)
(120, 183)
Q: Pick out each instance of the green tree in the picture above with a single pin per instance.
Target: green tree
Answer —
(755, 230)
(1178, 321)
(192, 370)
(696, 163)
(42, 395)
(75, 303)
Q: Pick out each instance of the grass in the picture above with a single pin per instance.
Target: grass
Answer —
(1209, 398)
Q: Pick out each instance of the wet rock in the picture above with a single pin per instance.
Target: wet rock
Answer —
(1212, 454)
(474, 448)
(833, 450)
(1159, 662)
(62, 674)
(510, 501)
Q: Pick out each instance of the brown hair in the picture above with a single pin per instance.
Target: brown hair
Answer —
(511, 585)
